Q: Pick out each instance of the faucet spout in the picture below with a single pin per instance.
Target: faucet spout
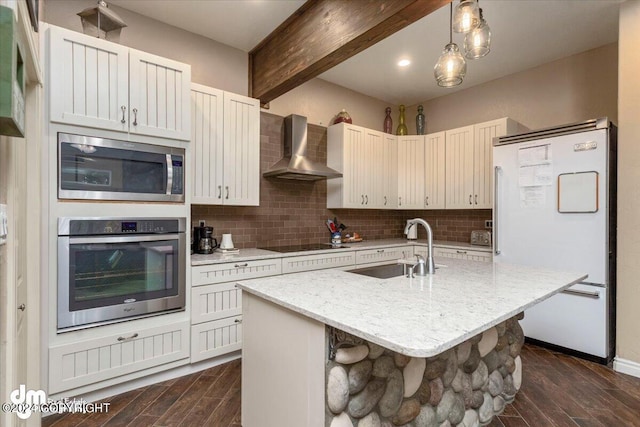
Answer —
(431, 266)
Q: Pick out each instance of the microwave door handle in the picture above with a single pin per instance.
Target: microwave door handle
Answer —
(122, 239)
(169, 174)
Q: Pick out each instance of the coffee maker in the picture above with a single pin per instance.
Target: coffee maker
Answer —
(203, 241)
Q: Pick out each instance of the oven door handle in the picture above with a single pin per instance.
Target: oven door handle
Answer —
(169, 174)
(122, 239)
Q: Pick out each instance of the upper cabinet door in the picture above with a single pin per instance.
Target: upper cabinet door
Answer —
(159, 96)
(389, 172)
(89, 81)
(459, 168)
(206, 145)
(241, 150)
(435, 161)
(411, 169)
(483, 161)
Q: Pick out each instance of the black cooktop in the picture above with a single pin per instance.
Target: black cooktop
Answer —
(305, 247)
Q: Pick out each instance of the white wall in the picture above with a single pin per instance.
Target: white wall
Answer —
(572, 89)
(212, 64)
(628, 345)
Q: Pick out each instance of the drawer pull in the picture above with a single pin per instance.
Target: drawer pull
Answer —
(461, 252)
(380, 251)
(238, 321)
(241, 265)
(130, 337)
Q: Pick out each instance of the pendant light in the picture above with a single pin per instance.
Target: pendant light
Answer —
(477, 41)
(451, 66)
(467, 16)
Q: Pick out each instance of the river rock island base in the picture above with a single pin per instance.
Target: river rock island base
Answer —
(465, 386)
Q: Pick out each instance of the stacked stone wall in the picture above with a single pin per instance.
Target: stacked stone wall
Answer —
(466, 386)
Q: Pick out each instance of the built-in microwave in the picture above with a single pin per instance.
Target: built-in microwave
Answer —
(91, 168)
(115, 269)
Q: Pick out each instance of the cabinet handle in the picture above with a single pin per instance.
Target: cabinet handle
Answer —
(219, 191)
(461, 252)
(241, 265)
(238, 320)
(366, 198)
(470, 199)
(385, 200)
(399, 201)
(130, 337)
(380, 251)
(135, 117)
(227, 188)
(476, 199)
(123, 108)
(22, 307)
(426, 201)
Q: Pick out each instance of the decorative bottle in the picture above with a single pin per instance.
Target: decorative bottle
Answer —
(342, 116)
(402, 128)
(388, 122)
(420, 123)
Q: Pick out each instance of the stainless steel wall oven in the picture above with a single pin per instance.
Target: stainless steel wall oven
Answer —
(91, 168)
(113, 269)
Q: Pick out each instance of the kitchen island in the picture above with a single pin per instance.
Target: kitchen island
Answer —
(334, 348)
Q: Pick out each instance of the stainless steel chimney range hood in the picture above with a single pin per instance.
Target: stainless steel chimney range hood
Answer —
(294, 163)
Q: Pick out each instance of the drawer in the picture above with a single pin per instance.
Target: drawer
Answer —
(317, 262)
(467, 254)
(234, 271)
(216, 338)
(213, 302)
(90, 361)
(383, 254)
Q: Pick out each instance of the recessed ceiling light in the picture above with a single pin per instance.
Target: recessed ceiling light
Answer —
(403, 62)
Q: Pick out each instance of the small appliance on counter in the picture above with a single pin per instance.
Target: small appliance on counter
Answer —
(203, 240)
(412, 234)
(481, 237)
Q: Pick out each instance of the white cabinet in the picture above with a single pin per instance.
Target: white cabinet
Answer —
(411, 172)
(296, 264)
(457, 253)
(94, 360)
(434, 193)
(367, 160)
(100, 84)
(216, 305)
(459, 168)
(347, 153)
(383, 255)
(226, 147)
(469, 163)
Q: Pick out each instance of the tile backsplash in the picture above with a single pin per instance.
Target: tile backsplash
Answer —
(294, 212)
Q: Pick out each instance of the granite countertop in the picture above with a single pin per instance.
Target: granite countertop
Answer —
(418, 317)
(253, 253)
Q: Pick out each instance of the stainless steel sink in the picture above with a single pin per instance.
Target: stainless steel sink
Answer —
(386, 271)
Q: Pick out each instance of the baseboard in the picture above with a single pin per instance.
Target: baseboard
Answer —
(626, 367)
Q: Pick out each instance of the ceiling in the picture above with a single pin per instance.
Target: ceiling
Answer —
(525, 34)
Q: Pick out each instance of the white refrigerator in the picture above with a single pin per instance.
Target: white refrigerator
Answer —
(555, 207)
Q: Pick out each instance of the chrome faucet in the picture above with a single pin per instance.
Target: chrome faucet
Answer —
(430, 264)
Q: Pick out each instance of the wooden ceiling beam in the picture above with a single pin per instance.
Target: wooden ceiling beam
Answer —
(322, 34)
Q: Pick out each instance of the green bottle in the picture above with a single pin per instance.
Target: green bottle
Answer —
(402, 127)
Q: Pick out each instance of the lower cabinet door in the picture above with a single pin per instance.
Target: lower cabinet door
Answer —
(213, 302)
(216, 338)
(94, 360)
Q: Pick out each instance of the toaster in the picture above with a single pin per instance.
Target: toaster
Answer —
(481, 237)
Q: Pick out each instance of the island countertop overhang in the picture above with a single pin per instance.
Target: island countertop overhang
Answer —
(419, 317)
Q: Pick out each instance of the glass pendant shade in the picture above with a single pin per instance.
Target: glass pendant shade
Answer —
(466, 17)
(451, 67)
(477, 42)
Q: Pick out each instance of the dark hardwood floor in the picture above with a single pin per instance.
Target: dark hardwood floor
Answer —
(558, 390)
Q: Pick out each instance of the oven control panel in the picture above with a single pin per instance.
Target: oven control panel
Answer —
(97, 226)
